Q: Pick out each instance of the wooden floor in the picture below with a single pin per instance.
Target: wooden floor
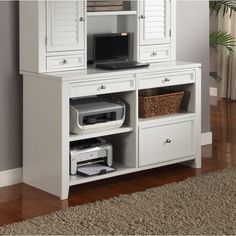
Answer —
(19, 202)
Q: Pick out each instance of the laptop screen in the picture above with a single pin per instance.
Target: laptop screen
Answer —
(111, 47)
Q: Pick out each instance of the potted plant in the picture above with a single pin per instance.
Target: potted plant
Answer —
(222, 41)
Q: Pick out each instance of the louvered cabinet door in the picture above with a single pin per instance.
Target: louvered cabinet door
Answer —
(65, 25)
(154, 16)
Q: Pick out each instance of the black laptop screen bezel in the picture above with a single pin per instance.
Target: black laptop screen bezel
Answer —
(120, 59)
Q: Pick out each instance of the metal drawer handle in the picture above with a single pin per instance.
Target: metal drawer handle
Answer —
(168, 140)
(82, 19)
(64, 62)
(154, 54)
(166, 80)
(103, 86)
(142, 17)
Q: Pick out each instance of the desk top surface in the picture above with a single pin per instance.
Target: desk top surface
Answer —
(92, 73)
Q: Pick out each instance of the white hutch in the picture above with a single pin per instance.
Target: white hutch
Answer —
(55, 44)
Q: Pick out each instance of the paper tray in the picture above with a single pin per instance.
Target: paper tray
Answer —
(94, 169)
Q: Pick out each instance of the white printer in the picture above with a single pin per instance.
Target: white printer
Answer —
(89, 152)
(96, 113)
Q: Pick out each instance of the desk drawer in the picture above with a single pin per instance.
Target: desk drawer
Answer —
(154, 53)
(165, 142)
(163, 80)
(112, 85)
(57, 63)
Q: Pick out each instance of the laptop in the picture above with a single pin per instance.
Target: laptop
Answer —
(114, 52)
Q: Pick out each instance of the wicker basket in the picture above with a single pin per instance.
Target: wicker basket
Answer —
(159, 102)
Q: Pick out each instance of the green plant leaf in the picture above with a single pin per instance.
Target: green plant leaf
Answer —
(222, 42)
(215, 76)
(226, 6)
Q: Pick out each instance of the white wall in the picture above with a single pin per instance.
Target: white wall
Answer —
(193, 45)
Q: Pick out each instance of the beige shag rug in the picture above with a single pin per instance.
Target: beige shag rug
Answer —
(201, 205)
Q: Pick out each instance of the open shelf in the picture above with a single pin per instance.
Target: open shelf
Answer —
(123, 129)
(169, 117)
(120, 170)
(111, 13)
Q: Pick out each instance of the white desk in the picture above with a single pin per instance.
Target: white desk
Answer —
(138, 145)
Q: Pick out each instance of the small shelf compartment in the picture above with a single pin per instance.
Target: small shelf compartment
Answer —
(170, 106)
(112, 13)
(111, 8)
(121, 169)
(123, 129)
(126, 120)
(159, 102)
(124, 158)
(122, 20)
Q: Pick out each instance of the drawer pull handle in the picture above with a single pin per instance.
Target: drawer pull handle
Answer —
(166, 80)
(82, 19)
(168, 140)
(142, 17)
(103, 86)
(154, 54)
(64, 62)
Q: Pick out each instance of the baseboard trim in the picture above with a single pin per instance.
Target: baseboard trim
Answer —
(10, 177)
(206, 138)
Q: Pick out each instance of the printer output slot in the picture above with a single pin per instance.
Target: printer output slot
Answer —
(99, 118)
(94, 161)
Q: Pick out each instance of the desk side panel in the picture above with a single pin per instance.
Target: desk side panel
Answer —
(46, 135)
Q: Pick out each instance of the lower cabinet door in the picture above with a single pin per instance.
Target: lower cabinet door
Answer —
(161, 143)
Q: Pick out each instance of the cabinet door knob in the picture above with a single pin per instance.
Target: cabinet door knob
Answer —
(168, 140)
(142, 17)
(82, 19)
(154, 54)
(103, 86)
(64, 62)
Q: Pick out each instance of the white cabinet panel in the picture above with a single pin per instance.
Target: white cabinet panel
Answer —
(65, 25)
(161, 143)
(60, 63)
(112, 85)
(154, 53)
(147, 81)
(154, 19)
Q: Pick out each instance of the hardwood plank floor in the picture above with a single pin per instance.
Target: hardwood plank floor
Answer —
(19, 202)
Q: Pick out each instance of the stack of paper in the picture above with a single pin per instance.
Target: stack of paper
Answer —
(94, 169)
